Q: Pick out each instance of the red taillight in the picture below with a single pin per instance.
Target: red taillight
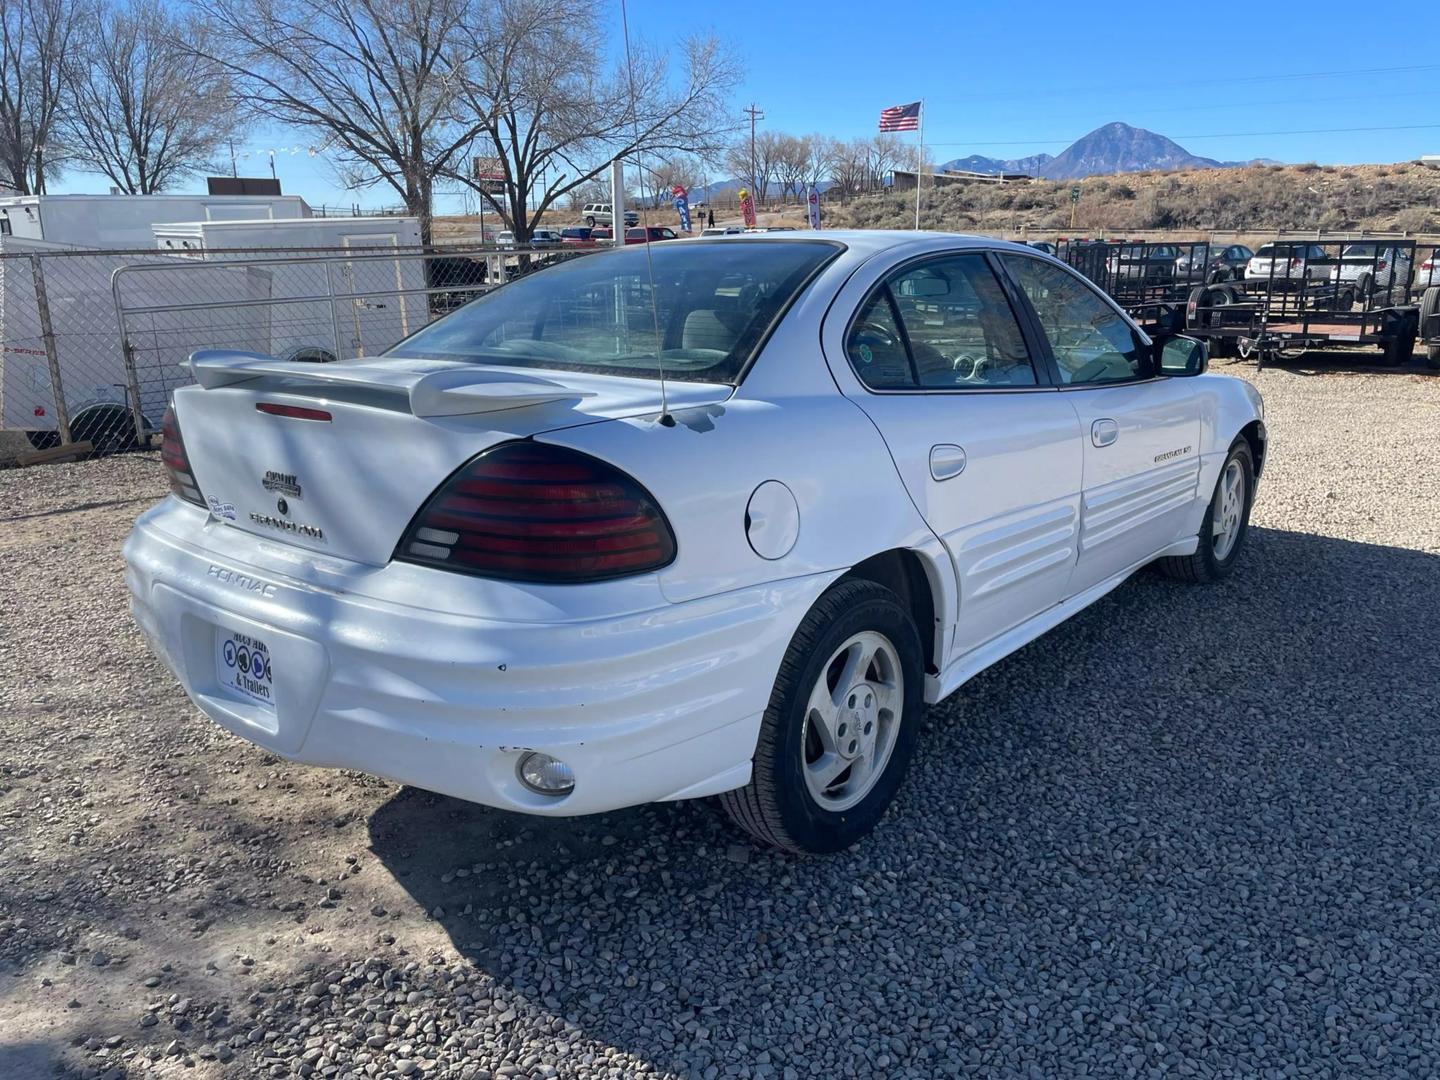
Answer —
(176, 461)
(528, 511)
(1381, 265)
(295, 412)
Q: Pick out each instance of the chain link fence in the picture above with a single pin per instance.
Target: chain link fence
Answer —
(93, 342)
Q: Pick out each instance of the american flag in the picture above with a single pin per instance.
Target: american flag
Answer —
(900, 117)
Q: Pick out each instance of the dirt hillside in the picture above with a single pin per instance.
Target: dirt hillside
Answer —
(1261, 198)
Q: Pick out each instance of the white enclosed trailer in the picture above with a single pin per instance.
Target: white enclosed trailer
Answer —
(208, 284)
(324, 303)
(70, 293)
(125, 221)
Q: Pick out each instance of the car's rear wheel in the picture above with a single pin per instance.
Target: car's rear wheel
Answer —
(590, 221)
(1226, 524)
(840, 729)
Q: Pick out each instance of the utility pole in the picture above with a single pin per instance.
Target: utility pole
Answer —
(755, 114)
(232, 157)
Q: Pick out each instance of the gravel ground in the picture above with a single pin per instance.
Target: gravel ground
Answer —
(1192, 832)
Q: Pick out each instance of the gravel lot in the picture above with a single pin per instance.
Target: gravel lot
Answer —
(1191, 832)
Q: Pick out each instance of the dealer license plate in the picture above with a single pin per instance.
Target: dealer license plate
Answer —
(243, 664)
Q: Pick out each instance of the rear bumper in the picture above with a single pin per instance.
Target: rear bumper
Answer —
(647, 706)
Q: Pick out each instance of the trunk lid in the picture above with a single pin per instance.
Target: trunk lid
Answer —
(354, 449)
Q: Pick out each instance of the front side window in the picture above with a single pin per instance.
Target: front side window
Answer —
(1091, 342)
(700, 310)
(940, 324)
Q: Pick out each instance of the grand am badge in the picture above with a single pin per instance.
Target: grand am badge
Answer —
(281, 483)
(270, 521)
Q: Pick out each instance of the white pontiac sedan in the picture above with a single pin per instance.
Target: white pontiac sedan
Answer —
(507, 562)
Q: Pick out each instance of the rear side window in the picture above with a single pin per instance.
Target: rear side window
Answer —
(942, 324)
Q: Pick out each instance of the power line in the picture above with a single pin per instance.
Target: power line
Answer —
(1102, 88)
(1208, 135)
(1213, 106)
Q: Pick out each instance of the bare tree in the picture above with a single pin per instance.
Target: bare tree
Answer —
(756, 172)
(661, 177)
(823, 151)
(792, 164)
(377, 82)
(884, 154)
(35, 40)
(849, 168)
(552, 119)
(141, 111)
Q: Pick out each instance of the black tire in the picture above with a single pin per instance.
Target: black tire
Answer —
(590, 221)
(1364, 285)
(1207, 298)
(1430, 307)
(1400, 349)
(110, 429)
(776, 807)
(1204, 566)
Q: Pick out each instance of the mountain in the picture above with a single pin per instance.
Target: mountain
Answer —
(1118, 148)
(992, 166)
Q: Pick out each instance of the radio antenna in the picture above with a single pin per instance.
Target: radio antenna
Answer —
(666, 420)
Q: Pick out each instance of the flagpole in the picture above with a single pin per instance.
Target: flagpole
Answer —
(920, 162)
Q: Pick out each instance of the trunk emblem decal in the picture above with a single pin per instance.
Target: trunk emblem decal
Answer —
(281, 483)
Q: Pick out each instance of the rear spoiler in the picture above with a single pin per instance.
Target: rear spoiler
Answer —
(431, 387)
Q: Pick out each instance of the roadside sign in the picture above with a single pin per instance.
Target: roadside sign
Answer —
(1074, 194)
(489, 175)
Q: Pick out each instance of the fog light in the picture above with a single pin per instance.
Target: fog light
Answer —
(546, 775)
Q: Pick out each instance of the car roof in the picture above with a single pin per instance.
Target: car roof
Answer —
(877, 241)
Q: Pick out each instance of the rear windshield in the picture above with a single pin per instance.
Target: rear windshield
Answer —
(1361, 251)
(712, 303)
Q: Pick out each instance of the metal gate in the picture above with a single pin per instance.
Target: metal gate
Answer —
(316, 308)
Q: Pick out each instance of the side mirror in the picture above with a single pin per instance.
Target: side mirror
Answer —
(1183, 356)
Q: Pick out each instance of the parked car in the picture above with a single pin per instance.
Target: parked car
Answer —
(647, 233)
(1143, 262)
(1043, 245)
(577, 235)
(545, 238)
(1427, 268)
(506, 239)
(1289, 262)
(1372, 266)
(1220, 262)
(604, 214)
(723, 230)
(491, 564)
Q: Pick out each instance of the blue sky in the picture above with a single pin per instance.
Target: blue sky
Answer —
(1012, 79)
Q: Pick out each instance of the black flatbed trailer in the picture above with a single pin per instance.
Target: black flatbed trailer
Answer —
(1307, 294)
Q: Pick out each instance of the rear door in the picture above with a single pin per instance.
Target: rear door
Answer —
(1140, 433)
(988, 450)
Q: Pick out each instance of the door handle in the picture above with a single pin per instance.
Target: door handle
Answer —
(1104, 432)
(946, 460)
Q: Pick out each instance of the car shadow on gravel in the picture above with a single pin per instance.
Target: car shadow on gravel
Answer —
(1191, 823)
